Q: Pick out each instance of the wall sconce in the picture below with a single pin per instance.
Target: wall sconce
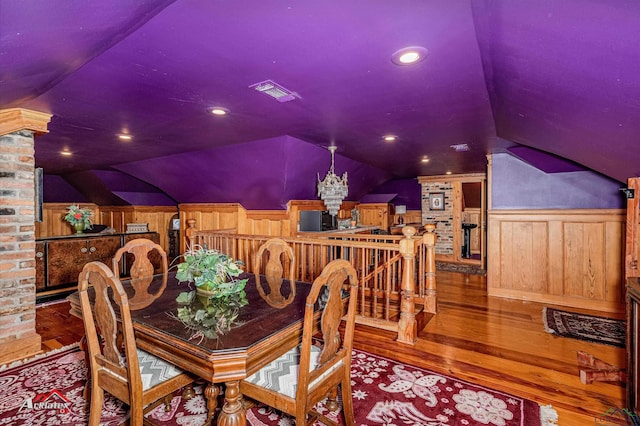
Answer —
(400, 210)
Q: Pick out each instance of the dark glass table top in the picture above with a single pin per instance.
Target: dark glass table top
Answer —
(256, 322)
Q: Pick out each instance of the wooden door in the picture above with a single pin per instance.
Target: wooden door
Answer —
(102, 249)
(65, 259)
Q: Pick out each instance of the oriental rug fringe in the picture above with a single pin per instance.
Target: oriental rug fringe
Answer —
(49, 390)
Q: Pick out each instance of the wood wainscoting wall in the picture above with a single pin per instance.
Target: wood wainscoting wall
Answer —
(53, 223)
(565, 257)
(274, 223)
(157, 217)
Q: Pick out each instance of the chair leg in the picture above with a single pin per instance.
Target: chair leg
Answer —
(332, 400)
(188, 392)
(167, 402)
(301, 416)
(95, 408)
(136, 415)
(347, 402)
(86, 393)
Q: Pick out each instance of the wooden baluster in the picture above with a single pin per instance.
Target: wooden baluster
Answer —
(407, 325)
(364, 284)
(429, 239)
(375, 284)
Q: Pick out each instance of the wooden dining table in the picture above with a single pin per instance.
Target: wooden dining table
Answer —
(260, 334)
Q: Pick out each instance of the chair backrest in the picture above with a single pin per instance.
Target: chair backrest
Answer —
(142, 270)
(279, 253)
(118, 374)
(329, 291)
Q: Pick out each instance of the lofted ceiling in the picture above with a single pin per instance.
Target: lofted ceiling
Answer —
(543, 76)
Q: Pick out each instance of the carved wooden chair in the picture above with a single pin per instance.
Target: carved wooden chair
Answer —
(279, 253)
(306, 375)
(142, 270)
(133, 376)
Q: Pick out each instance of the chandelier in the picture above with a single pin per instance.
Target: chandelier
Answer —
(332, 189)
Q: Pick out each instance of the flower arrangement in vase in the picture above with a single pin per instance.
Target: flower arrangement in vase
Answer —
(79, 218)
(212, 307)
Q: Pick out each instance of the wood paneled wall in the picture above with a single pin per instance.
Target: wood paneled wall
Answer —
(565, 257)
(411, 216)
(54, 225)
(117, 217)
(253, 222)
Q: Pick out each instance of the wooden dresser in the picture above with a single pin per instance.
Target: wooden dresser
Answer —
(59, 260)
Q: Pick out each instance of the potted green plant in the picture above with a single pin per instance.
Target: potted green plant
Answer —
(212, 307)
(79, 218)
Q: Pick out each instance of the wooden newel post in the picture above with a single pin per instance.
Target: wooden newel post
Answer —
(429, 239)
(407, 326)
(191, 229)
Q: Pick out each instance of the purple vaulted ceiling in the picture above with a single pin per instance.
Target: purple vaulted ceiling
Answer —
(554, 77)
(278, 170)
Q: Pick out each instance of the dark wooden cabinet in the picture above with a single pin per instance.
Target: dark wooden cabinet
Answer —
(174, 244)
(60, 260)
(40, 265)
(66, 258)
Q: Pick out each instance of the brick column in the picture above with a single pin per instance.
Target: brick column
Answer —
(18, 337)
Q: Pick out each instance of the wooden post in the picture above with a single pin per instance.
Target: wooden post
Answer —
(633, 223)
(407, 325)
(18, 337)
(429, 239)
(191, 223)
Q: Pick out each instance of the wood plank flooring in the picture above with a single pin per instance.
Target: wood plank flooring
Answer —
(494, 342)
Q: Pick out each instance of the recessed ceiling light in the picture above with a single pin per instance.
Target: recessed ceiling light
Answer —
(124, 137)
(448, 172)
(389, 138)
(219, 111)
(409, 55)
(425, 159)
(67, 153)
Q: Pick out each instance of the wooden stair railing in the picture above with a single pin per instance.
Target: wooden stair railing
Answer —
(396, 274)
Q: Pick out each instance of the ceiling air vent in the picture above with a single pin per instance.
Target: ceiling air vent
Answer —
(274, 90)
(461, 147)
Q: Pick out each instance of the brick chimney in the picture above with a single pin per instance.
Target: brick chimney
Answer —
(18, 337)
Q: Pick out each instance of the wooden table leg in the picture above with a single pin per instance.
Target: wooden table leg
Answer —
(233, 413)
(211, 392)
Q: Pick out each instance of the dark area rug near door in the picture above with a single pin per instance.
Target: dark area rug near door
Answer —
(591, 328)
(48, 390)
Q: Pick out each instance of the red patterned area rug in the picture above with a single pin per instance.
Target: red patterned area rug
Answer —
(49, 391)
(392, 394)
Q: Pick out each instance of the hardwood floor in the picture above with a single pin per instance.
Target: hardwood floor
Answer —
(498, 343)
(56, 326)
